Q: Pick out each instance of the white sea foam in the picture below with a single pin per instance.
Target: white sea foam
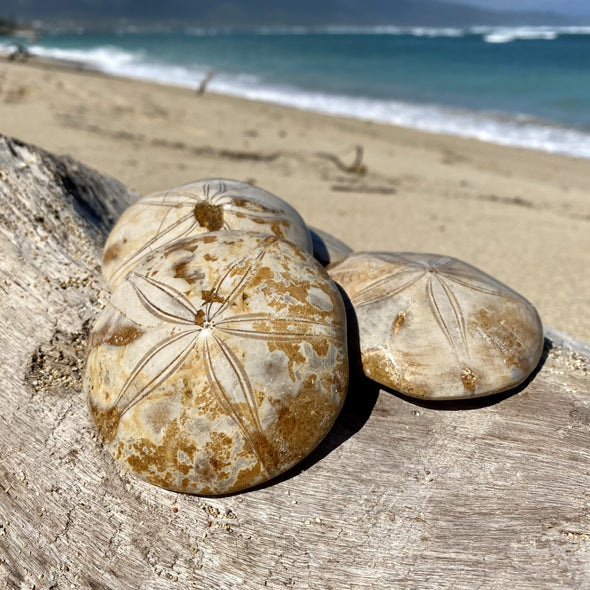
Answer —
(105, 58)
(497, 128)
(132, 64)
(507, 35)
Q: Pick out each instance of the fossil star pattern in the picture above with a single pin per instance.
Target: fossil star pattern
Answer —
(441, 276)
(204, 329)
(215, 193)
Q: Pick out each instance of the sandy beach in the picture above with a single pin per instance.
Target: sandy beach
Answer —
(520, 215)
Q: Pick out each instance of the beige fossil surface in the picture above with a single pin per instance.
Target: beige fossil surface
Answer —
(432, 326)
(195, 208)
(219, 362)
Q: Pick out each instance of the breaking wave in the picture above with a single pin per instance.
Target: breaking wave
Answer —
(519, 130)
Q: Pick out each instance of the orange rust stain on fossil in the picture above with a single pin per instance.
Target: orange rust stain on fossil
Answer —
(377, 367)
(107, 421)
(262, 326)
(301, 423)
(305, 309)
(265, 273)
(338, 376)
(209, 216)
(261, 450)
(291, 296)
(299, 290)
(204, 474)
(200, 317)
(247, 477)
(160, 463)
(197, 395)
(184, 270)
(398, 322)
(310, 381)
(504, 339)
(124, 335)
(267, 452)
(111, 253)
(219, 449)
(210, 296)
(320, 346)
(277, 229)
(252, 206)
(469, 379)
(115, 335)
(187, 245)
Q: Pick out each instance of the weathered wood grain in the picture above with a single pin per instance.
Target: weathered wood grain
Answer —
(494, 493)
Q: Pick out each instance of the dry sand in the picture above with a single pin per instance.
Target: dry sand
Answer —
(520, 215)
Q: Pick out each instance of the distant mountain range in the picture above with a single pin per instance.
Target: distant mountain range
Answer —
(254, 13)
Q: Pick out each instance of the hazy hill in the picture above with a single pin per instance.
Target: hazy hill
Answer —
(271, 12)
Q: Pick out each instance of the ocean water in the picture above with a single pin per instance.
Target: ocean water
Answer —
(524, 86)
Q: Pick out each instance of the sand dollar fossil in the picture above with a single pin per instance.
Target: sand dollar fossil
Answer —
(326, 248)
(435, 327)
(195, 208)
(219, 362)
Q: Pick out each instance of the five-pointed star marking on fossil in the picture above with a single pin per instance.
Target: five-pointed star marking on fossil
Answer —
(442, 278)
(206, 208)
(204, 329)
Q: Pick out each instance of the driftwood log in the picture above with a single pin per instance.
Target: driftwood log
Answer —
(494, 493)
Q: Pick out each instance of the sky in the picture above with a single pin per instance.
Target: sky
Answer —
(569, 7)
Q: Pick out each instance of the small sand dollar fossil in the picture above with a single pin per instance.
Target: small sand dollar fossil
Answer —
(434, 327)
(195, 208)
(219, 362)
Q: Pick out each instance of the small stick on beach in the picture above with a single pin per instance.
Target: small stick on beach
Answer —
(357, 167)
(203, 85)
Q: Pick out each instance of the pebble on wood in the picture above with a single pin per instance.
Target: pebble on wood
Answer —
(219, 363)
(435, 327)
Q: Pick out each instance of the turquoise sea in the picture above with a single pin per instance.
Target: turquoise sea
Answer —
(525, 86)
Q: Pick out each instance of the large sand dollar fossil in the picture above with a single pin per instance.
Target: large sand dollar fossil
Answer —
(219, 362)
(434, 327)
(192, 209)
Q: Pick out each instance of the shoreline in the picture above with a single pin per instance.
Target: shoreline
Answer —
(520, 215)
(65, 65)
(483, 124)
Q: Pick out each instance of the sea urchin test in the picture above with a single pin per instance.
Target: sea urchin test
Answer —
(434, 327)
(192, 209)
(219, 362)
